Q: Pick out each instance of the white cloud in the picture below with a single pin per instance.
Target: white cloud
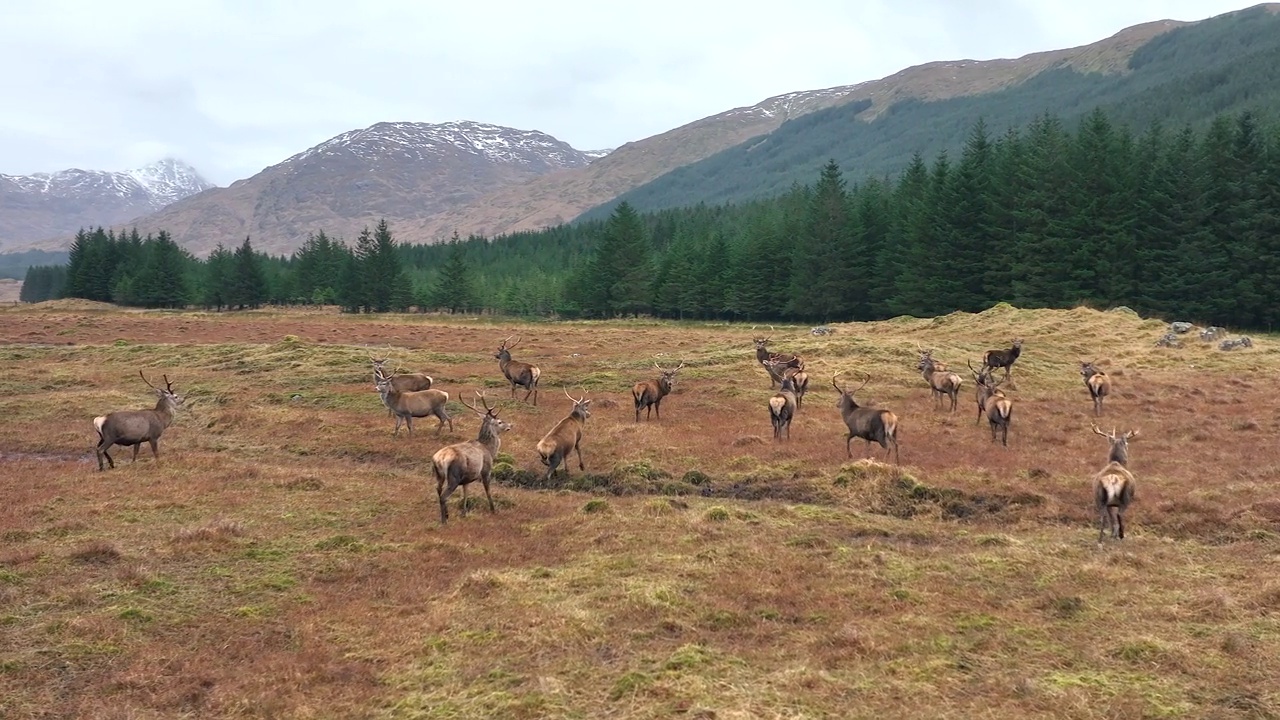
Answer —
(237, 85)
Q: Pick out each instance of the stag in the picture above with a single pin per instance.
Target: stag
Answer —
(401, 382)
(1113, 485)
(465, 462)
(1097, 382)
(941, 381)
(649, 393)
(565, 437)
(406, 406)
(870, 424)
(983, 391)
(996, 359)
(520, 374)
(134, 427)
(782, 406)
(764, 357)
(780, 370)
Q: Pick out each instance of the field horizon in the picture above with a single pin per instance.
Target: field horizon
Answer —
(285, 557)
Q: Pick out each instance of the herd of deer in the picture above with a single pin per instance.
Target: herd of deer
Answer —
(411, 395)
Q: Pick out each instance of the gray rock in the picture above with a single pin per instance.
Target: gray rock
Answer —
(1181, 327)
(823, 330)
(1240, 342)
(1169, 339)
(1211, 333)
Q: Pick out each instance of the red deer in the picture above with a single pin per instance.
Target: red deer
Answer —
(649, 393)
(401, 382)
(1097, 382)
(941, 382)
(406, 406)
(983, 390)
(870, 424)
(995, 359)
(764, 357)
(134, 427)
(520, 374)
(1113, 485)
(779, 370)
(782, 406)
(465, 462)
(565, 437)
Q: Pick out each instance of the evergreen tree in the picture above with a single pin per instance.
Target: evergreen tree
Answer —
(216, 282)
(247, 284)
(616, 279)
(454, 291)
(824, 280)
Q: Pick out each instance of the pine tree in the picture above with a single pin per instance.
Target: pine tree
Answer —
(454, 290)
(247, 286)
(616, 280)
(824, 280)
(216, 279)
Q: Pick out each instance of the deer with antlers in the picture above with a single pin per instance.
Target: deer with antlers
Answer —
(1098, 384)
(764, 357)
(648, 394)
(993, 403)
(996, 359)
(783, 404)
(407, 405)
(400, 382)
(942, 382)
(565, 437)
(519, 374)
(1113, 485)
(463, 463)
(134, 427)
(870, 424)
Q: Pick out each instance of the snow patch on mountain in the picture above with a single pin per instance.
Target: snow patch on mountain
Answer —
(158, 184)
(425, 141)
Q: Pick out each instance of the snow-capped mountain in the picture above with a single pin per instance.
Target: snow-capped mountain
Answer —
(424, 141)
(157, 184)
(404, 172)
(34, 207)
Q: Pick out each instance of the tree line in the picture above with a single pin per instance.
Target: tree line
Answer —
(1171, 222)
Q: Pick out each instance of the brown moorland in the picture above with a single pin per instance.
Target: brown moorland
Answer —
(285, 558)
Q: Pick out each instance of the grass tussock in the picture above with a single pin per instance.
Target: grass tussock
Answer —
(286, 553)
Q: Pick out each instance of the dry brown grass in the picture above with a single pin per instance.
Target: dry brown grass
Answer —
(284, 558)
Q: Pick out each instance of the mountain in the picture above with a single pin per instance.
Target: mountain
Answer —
(401, 171)
(561, 197)
(1176, 73)
(35, 207)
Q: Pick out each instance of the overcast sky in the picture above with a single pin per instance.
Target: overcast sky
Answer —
(234, 86)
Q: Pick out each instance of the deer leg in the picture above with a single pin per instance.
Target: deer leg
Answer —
(484, 479)
(1004, 435)
(847, 450)
(1103, 522)
(155, 449)
(136, 448)
(581, 467)
(464, 500)
(657, 408)
(397, 430)
(408, 421)
(443, 495)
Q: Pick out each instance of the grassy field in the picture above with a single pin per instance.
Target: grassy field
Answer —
(285, 557)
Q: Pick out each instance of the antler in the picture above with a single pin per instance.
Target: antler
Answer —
(679, 366)
(517, 342)
(167, 385)
(976, 376)
(864, 382)
(834, 385)
(484, 401)
(145, 380)
(1112, 436)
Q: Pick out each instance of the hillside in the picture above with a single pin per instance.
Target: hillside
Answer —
(36, 207)
(1174, 73)
(286, 553)
(403, 172)
(558, 197)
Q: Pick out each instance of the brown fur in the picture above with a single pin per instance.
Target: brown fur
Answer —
(648, 394)
(565, 437)
(463, 463)
(941, 382)
(782, 406)
(1113, 485)
(870, 424)
(1098, 384)
(519, 374)
(406, 406)
(134, 427)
